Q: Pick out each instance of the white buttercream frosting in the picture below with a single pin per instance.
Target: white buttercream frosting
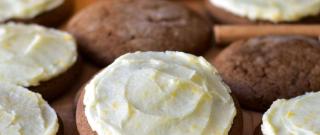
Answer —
(23, 112)
(30, 54)
(159, 93)
(271, 10)
(25, 9)
(297, 116)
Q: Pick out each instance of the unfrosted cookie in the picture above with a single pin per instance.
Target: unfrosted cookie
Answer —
(44, 12)
(264, 11)
(263, 69)
(107, 29)
(42, 59)
(163, 93)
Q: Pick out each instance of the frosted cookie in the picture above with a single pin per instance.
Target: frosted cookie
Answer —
(23, 112)
(108, 29)
(41, 59)
(158, 93)
(45, 12)
(297, 116)
(263, 69)
(266, 11)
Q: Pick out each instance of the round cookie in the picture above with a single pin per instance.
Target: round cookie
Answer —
(107, 29)
(179, 93)
(25, 112)
(44, 60)
(223, 16)
(263, 69)
(85, 129)
(44, 12)
(299, 115)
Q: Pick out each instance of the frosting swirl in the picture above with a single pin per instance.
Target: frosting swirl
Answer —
(155, 93)
(271, 10)
(25, 9)
(297, 116)
(30, 54)
(23, 112)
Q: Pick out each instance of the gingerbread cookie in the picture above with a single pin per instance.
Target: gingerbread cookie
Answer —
(108, 29)
(158, 92)
(44, 60)
(262, 11)
(25, 112)
(299, 115)
(44, 12)
(263, 69)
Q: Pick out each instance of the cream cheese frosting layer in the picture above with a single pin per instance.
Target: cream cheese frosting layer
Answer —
(271, 10)
(297, 116)
(159, 93)
(30, 54)
(23, 112)
(26, 9)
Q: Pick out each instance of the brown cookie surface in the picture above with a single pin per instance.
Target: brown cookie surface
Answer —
(225, 17)
(85, 129)
(53, 17)
(263, 69)
(107, 29)
(258, 131)
(56, 86)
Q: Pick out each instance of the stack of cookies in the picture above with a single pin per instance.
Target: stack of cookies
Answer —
(157, 75)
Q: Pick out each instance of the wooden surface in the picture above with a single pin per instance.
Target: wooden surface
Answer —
(65, 105)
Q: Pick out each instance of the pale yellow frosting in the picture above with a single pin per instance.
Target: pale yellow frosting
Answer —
(25, 9)
(23, 112)
(159, 93)
(30, 54)
(271, 10)
(297, 116)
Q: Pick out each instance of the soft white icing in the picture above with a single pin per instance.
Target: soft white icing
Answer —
(297, 116)
(30, 54)
(271, 10)
(159, 93)
(23, 112)
(25, 9)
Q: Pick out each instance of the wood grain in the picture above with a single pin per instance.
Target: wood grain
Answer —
(65, 106)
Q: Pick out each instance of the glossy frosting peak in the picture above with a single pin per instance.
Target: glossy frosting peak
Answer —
(297, 116)
(271, 10)
(159, 93)
(23, 112)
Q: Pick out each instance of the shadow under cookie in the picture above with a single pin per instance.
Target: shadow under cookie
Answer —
(61, 128)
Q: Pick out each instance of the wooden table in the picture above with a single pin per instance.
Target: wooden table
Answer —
(65, 105)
